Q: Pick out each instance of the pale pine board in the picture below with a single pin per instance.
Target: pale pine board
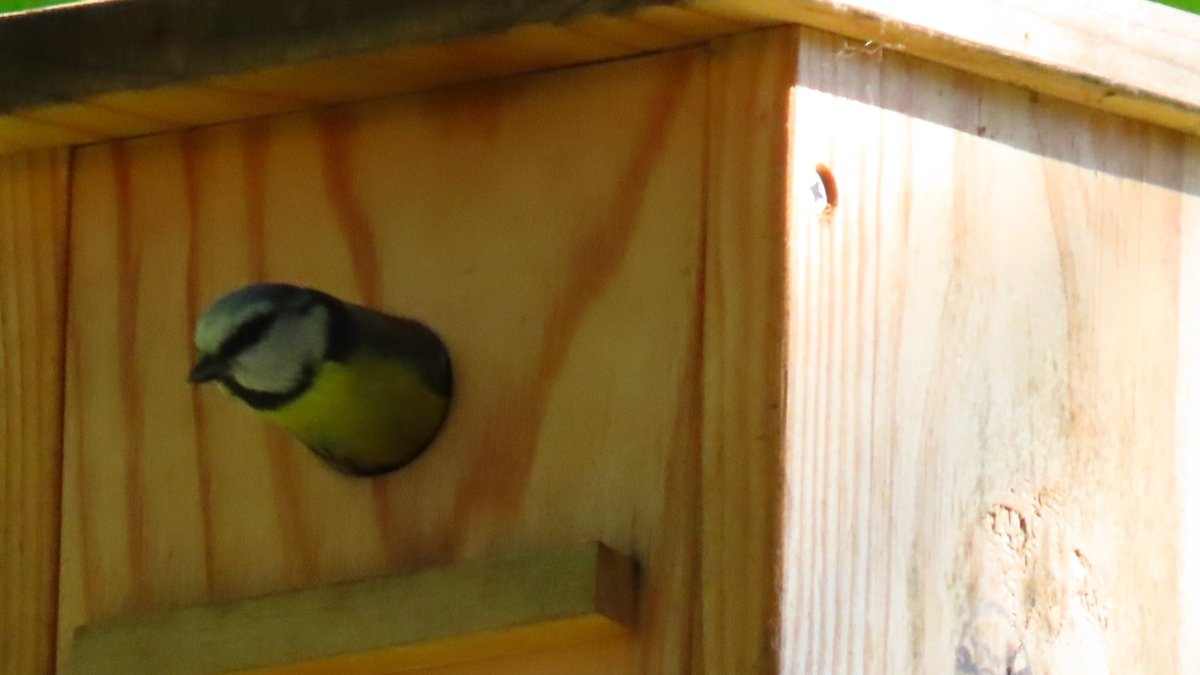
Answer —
(33, 222)
(255, 88)
(548, 227)
(535, 601)
(1131, 57)
(744, 322)
(984, 346)
(1187, 411)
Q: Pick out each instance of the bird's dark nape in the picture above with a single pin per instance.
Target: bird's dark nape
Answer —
(342, 337)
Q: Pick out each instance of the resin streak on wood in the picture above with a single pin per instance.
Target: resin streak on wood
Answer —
(33, 226)
(548, 227)
(226, 85)
(163, 67)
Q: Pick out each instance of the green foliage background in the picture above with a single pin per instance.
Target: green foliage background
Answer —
(7, 6)
(1189, 5)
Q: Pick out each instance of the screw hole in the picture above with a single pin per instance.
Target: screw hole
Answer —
(828, 185)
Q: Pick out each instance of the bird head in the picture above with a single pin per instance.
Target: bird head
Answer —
(263, 343)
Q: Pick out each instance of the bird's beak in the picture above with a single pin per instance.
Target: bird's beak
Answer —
(208, 368)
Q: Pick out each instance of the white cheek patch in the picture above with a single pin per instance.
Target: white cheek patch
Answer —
(295, 343)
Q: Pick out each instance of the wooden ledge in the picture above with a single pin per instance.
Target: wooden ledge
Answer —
(101, 70)
(1136, 58)
(87, 73)
(465, 612)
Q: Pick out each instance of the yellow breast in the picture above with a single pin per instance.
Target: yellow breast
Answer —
(365, 415)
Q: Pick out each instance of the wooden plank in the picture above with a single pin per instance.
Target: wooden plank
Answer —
(121, 46)
(519, 50)
(548, 227)
(1131, 57)
(744, 294)
(984, 348)
(33, 248)
(129, 110)
(19, 133)
(1187, 430)
(464, 612)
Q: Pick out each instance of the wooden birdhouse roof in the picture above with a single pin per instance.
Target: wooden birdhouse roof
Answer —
(86, 72)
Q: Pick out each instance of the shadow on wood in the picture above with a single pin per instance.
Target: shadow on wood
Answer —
(454, 614)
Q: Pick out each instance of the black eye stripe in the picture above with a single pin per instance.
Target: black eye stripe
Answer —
(247, 334)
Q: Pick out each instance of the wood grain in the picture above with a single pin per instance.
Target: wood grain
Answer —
(1187, 422)
(984, 346)
(943, 419)
(33, 248)
(744, 350)
(230, 84)
(548, 227)
(1130, 57)
(469, 611)
(166, 67)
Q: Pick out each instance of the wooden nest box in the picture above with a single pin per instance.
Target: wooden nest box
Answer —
(790, 336)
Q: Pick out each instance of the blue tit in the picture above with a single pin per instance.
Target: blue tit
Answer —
(365, 391)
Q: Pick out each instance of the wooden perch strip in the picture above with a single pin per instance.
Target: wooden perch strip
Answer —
(464, 612)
